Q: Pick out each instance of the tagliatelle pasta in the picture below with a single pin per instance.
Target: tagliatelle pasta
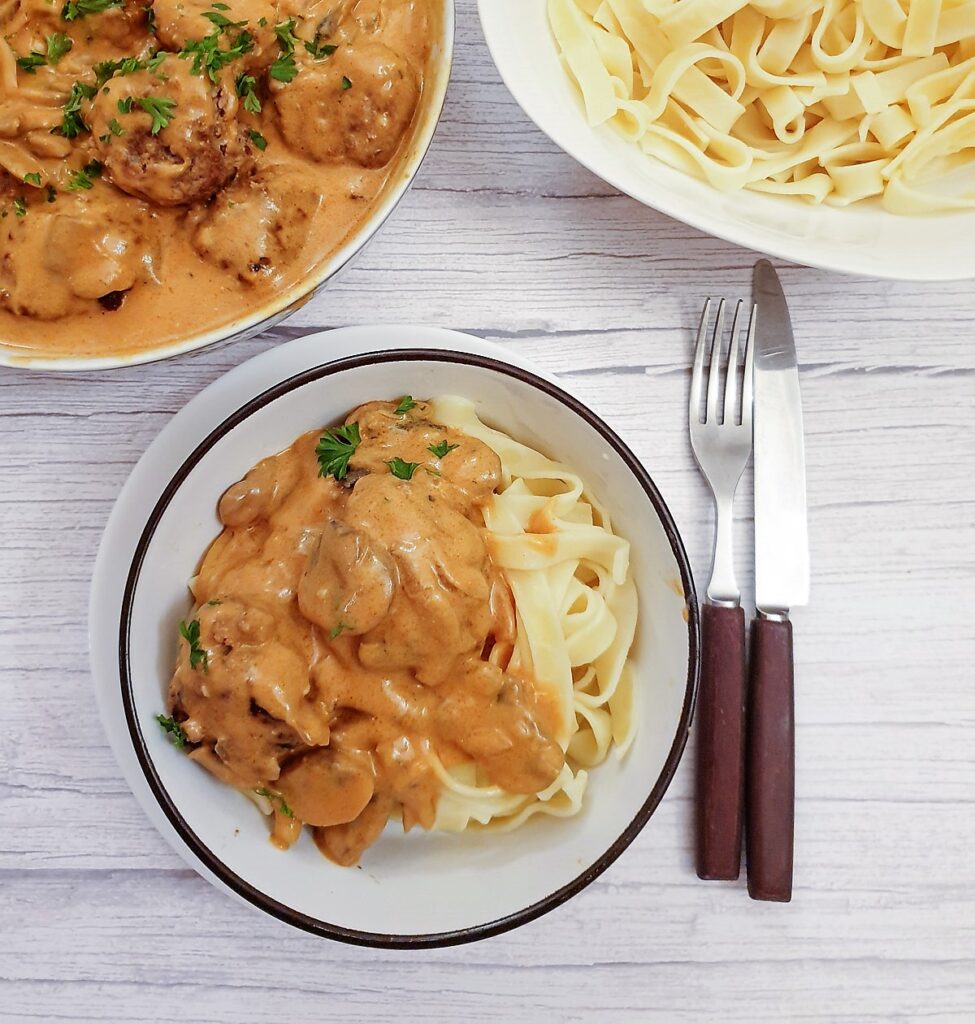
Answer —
(832, 101)
(576, 610)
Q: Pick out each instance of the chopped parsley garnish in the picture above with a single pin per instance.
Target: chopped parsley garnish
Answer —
(337, 630)
(221, 20)
(174, 730)
(75, 9)
(272, 796)
(285, 31)
(190, 632)
(57, 46)
(258, 139)
(402, 470)
(209, 58)
(159, 109)
(346, 82)
(405, 404)
(85, 178)
(213, 602)
(51, 193)
(152, 64)
(20, 207)
(262, 21)
(34, 178)
(106, 69)
(442, 449)
(72, 123)
(115, 128)
(246, 86)
(284, 68)
(319, 50)
(124, 105)
(150, 19)
(220, 7)
(335, 448)
(31, 62)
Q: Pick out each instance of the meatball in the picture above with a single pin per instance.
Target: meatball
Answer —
(179, 22)
(62, 257)
(258, 223)
(351, 107)
(167, 135)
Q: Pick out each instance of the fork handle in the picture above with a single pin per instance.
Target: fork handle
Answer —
(720, 742)
(771, 762)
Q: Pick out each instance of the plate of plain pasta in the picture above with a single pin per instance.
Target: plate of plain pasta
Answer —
(394, 639)
(837, 133)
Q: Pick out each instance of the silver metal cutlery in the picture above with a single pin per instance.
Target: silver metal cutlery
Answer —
(721, 438)
(746, 734)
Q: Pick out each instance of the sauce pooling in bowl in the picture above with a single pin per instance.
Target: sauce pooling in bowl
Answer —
(352, 632)
(167, 168)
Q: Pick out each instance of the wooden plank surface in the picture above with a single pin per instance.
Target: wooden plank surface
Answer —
(506, 237)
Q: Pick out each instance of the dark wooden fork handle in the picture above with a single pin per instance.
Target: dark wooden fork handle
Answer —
(720, 742)
(771, 762)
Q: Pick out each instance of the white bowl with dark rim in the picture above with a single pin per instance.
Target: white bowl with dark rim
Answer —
(289, 300)
(420, 889)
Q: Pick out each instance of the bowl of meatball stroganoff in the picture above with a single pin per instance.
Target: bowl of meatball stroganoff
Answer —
(179, 172)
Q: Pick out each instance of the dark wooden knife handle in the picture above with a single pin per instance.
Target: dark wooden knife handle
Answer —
(771, 762)
(720, 742)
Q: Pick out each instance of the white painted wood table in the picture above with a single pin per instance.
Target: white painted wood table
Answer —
(506, 237)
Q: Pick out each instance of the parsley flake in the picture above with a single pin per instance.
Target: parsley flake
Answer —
(159, 109)
(258, 139)
(84, 179)
(31, 62)
(405, 404)
(72, 123)
(246, 90)
(174, 730)
(319, 50)
(335, 448)
(402, 470)
(198, 655)
(20, 207)
(34, 178)
(284, 69)
(75, 9)
(442, 449)
(346, 83)
(272, 796)
(57, 46)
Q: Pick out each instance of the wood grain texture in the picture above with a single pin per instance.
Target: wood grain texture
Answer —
(506, 237)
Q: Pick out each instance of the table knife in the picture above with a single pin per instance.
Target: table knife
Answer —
(781, 584)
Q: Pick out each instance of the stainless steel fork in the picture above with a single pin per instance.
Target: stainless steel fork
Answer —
(721, 438)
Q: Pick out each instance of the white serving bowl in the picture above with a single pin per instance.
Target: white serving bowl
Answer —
(861, 239)
(289, 300)
(419, 889)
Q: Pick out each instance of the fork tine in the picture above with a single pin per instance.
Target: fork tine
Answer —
(711, 413)
(746, 391)
(697, 376)
(730, 414)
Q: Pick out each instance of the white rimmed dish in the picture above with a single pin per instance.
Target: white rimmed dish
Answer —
(417, 889)
(291, 299)
(860, 239)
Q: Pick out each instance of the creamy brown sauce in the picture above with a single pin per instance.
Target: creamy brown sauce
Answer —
(197, 217)
(350, 628)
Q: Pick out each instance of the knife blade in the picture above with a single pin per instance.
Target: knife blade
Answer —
(781, 531)
(781, 583)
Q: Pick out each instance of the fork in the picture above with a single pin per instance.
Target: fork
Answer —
(722, 444)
